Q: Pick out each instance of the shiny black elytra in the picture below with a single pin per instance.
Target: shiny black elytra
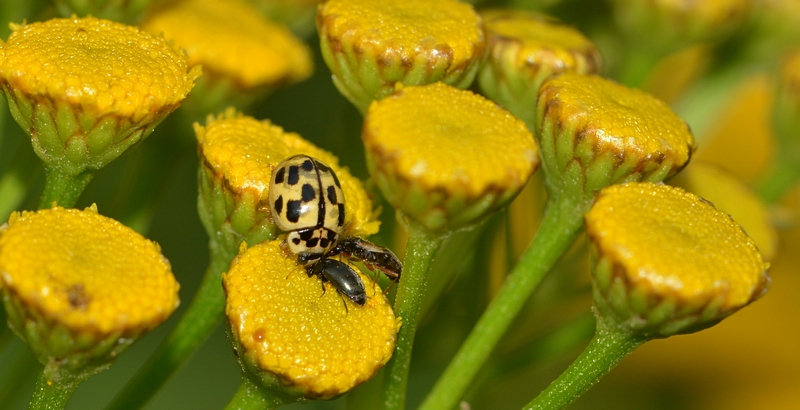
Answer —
(342, 277)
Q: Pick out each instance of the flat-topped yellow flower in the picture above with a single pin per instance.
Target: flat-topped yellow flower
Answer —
(447, 157)
(80, 287)
(238, 154)
(101, 66)
(298, 340)
(87, 89)
(734, 197)
(233, 43)
(594, 132)
(372, 45)
(524, 49)
(666, 261)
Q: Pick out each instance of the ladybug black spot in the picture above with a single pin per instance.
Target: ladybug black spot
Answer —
(293, 211)
(323, 243)
(294, 175)
(308, 166)
(279, 175)
(279, 205)
(306, 235)
(331, 236)
(340, 222)
(332, 195)
(336, 180)
(296, 241)
(312, 242)
(308, 193)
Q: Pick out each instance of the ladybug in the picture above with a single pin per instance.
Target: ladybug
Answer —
(307, 201)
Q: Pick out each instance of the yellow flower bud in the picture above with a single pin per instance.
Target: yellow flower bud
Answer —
(87, 89)
(447, 157)
(666, 261)
(237, 155)
(296, 334)
(372, 45)
(81, 287)
(524, 49)
(594, 132)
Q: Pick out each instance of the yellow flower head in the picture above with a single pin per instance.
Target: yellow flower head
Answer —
(372, 45)
(100, 66)
(541, 41)
(298, 338)
(666, 261)
(447, 157)
(733, 197)
(239, 153)
(524, 49)
(596, 129)
(231, 40)
(87, 89)
(80, 273)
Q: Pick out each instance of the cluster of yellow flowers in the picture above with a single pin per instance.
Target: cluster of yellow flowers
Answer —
(456, 108)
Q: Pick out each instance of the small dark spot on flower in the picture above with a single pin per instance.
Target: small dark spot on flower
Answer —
(78, 298)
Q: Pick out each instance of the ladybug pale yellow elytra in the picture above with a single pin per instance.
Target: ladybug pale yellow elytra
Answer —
(307, 201)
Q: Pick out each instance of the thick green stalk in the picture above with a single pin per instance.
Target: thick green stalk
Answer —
(250, 397)
(54, 387)
(561, 224)
(204, 314)
(63, 189)
(609, 346)
(422, 246)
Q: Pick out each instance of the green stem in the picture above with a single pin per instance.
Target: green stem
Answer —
(63, 189)
(250, 397)
(54, 387)
(609, 346)
(202, 316)
(421, 248)
(561, 224)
